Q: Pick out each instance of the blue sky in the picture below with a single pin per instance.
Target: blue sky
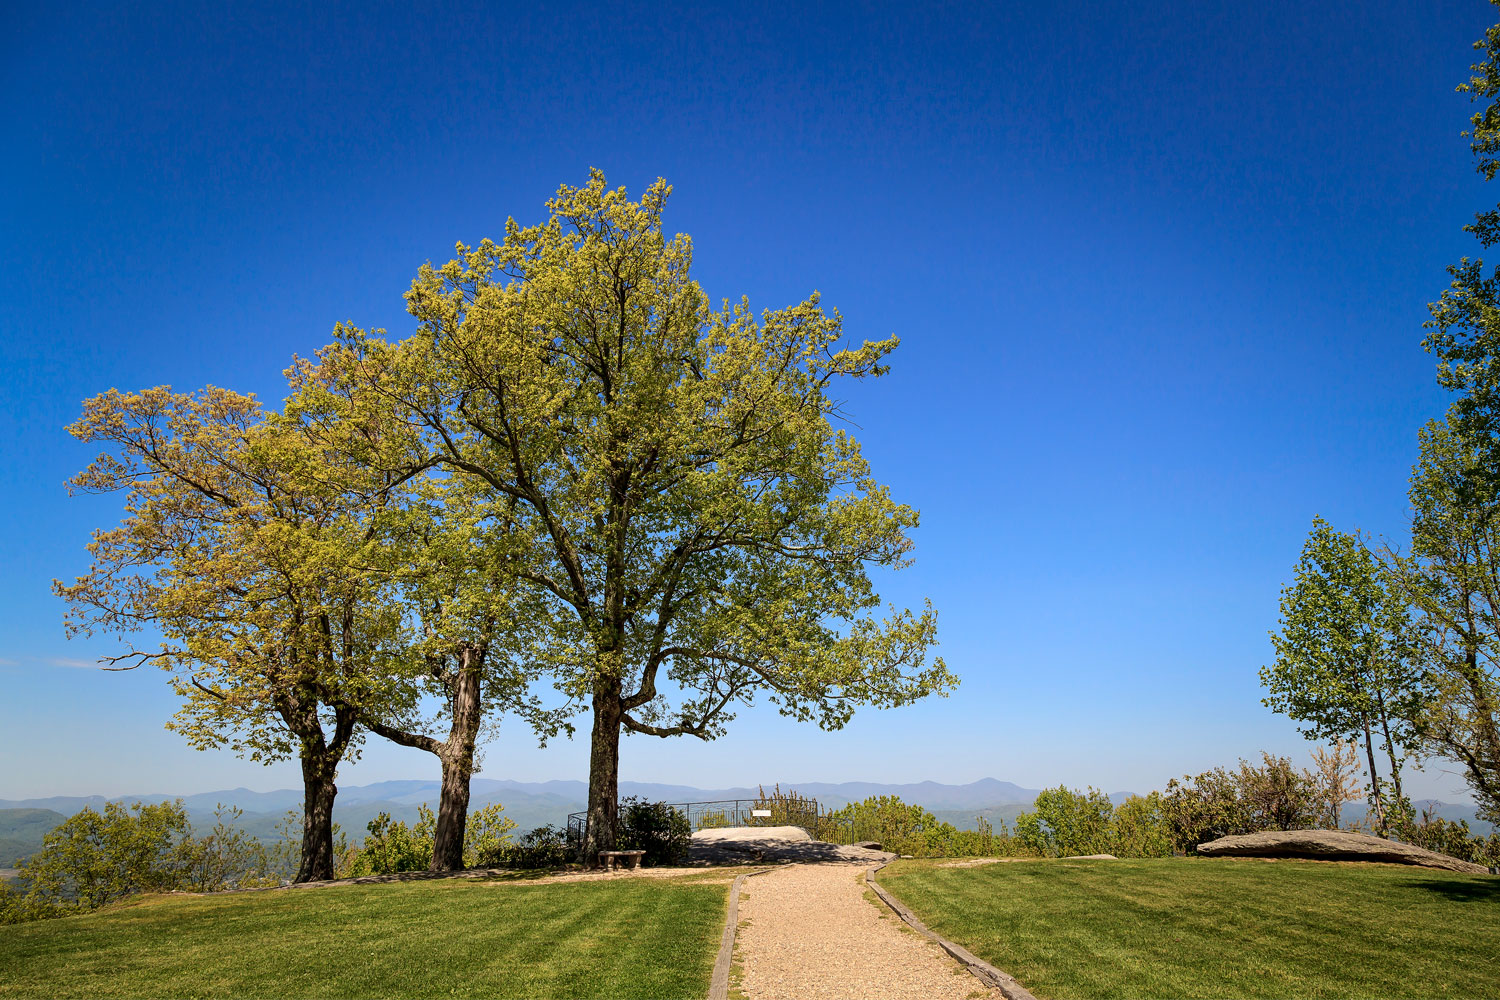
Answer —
(1159, 271)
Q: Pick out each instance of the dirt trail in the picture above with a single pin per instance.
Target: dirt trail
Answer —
(816, 931)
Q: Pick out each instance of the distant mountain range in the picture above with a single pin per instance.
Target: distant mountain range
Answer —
(532, 804)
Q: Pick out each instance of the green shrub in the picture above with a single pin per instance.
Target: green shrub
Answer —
(662, 832)
(1066, 822)
(1140, 828)
(544, 847)
(392, 846)
(896, 825)
(224, 858)
(487, 837)
(1453, 839)
(18, 907)
(92, 858)
(1222, 803)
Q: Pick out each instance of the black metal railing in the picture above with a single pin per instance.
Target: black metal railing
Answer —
(805, 813)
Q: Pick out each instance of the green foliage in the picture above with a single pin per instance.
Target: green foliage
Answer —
(93, 859)
(392, 846)
(543, 847)
(97, 858)
(224, 858)
(487, 837)
(911, 830)
(1068, 823)
(1140, 828)
(18, 907)
(1453, 839)
(1222, 803)
(662, 832)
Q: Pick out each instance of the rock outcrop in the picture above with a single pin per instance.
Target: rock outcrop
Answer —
(1333, 845)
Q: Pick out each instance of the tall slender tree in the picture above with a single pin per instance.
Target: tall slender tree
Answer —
(1343, 666)
(694, 525)
(1453, 581)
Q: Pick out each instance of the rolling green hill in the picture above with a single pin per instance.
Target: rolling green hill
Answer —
(21, 832)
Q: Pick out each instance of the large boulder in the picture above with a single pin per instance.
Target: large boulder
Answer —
(1333, 845)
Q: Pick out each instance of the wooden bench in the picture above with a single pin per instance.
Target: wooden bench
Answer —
(608, 859)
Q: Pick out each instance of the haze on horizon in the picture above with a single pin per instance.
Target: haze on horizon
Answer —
(1159, 272)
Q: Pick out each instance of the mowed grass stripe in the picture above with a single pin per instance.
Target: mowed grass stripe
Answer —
(622, 938)
(1213, 928)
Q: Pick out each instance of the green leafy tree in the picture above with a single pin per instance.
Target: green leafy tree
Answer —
(670, 481)
(251, 554)
(1453, 581)
(1456, 485)
(1344, 664)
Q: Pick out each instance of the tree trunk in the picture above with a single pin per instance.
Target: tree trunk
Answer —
(1374, 779)
(1484, 760)
(318, 792)
(1390, 749)
(457, 756)
(604, 771)
(452, 816)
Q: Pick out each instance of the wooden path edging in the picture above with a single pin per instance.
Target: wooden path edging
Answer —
(981, 970)
(718, 986)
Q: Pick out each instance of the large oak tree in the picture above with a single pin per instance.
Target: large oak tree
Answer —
(678, 496)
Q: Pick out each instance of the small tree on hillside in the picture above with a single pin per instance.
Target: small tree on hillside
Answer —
(1337, 780)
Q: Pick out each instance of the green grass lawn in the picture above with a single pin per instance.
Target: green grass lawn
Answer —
(1216, 928)
(616, 938)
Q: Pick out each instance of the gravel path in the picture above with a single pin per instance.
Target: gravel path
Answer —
(813, 931)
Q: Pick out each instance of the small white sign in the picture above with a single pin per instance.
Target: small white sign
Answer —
(760, 812)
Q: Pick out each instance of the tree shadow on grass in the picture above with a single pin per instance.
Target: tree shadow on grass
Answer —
(1471, 890)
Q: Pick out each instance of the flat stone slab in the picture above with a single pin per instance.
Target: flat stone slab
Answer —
(1333, 845)
(772, 844)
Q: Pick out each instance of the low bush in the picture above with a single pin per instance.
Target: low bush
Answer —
(662, 832)
(487, 837)
(911, 830)
(1220, 803)
(1453, 839)
(543, 847)
(392, 846)
(1066, 822)
(96, 858)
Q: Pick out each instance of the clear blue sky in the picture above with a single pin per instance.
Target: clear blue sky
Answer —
(1159, 271)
